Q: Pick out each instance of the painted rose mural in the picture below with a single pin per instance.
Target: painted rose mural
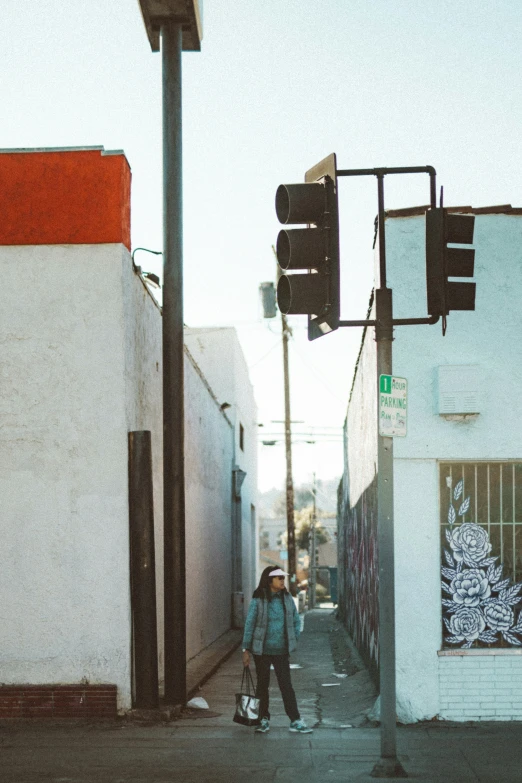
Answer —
(479, 606)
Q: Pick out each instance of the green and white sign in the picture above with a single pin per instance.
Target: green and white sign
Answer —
(393, 406)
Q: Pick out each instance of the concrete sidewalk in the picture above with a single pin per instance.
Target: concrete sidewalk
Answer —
(207, 747)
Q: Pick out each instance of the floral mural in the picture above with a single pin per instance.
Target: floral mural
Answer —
(479, 610)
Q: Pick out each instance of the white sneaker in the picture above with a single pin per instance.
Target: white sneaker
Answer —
(300, 727)
(263, 727)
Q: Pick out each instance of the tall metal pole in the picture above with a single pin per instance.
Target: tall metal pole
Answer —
(290, 524)
(173, 380)
(388, 766)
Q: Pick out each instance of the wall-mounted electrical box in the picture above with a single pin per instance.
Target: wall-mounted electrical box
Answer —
(458, 389)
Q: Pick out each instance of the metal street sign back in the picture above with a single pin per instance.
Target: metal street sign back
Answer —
(393, 406)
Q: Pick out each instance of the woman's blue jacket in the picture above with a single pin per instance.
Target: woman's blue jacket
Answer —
(267, 624)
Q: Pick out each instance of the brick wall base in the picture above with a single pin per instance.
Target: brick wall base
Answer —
(58, 701)
(481, 684)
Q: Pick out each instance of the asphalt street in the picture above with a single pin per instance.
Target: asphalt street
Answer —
(205, 746)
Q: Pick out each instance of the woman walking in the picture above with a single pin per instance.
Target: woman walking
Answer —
(272, 629)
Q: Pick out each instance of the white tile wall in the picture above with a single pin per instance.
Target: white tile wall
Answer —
(481, 686)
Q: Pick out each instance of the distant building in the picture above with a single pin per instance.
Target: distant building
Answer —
(272, 532)
(327, 554)
(218, 352)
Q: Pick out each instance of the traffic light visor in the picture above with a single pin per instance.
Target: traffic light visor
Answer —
(301, 294)
(459, 228)
(460, 262)
(302, 203)
(460, 296)
(301, 248)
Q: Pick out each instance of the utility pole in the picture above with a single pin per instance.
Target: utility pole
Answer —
(312, 581)
(290, 523)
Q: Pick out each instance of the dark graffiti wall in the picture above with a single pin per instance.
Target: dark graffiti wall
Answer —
(357, 511)
(359, 595)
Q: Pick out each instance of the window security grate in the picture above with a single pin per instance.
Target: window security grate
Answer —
(481, 524)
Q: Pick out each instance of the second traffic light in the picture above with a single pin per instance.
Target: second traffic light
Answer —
(443, 262)
(315, 249)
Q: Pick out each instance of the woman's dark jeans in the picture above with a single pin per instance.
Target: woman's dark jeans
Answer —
(282, 671)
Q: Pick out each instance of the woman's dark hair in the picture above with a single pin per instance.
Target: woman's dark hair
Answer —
(263, 588)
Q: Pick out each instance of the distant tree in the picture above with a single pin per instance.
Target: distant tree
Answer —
(302, 499)
(272, 504)
(303, 521)
(279, 505)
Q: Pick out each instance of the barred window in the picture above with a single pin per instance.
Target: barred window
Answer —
(481, 525)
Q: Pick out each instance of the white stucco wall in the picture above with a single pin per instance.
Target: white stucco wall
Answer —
(489, 338)
(417, 587)
(143, 386)
(361, 435)
(218, 352)
(208, 461)
(246, 459)
(81, 367)
(64, 574)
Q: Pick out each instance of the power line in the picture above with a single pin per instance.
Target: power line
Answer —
(317, 376)
(275, 345)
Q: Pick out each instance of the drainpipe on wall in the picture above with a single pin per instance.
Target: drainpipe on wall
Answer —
(143, 572)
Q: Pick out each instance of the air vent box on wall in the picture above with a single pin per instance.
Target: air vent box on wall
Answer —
(458, 389)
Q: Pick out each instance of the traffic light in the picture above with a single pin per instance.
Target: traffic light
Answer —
(444, 228)
(315, 249)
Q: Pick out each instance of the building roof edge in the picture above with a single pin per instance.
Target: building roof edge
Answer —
(498, 209)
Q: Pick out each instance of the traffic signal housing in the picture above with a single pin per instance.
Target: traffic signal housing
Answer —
(444, 228)
(315, 249)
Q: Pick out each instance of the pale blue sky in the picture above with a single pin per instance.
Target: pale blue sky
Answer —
(278, 85)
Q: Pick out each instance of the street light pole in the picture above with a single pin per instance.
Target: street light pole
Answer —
(173, 371)
(179, 27)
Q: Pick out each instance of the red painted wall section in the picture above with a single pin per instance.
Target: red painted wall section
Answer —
(69, 197)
